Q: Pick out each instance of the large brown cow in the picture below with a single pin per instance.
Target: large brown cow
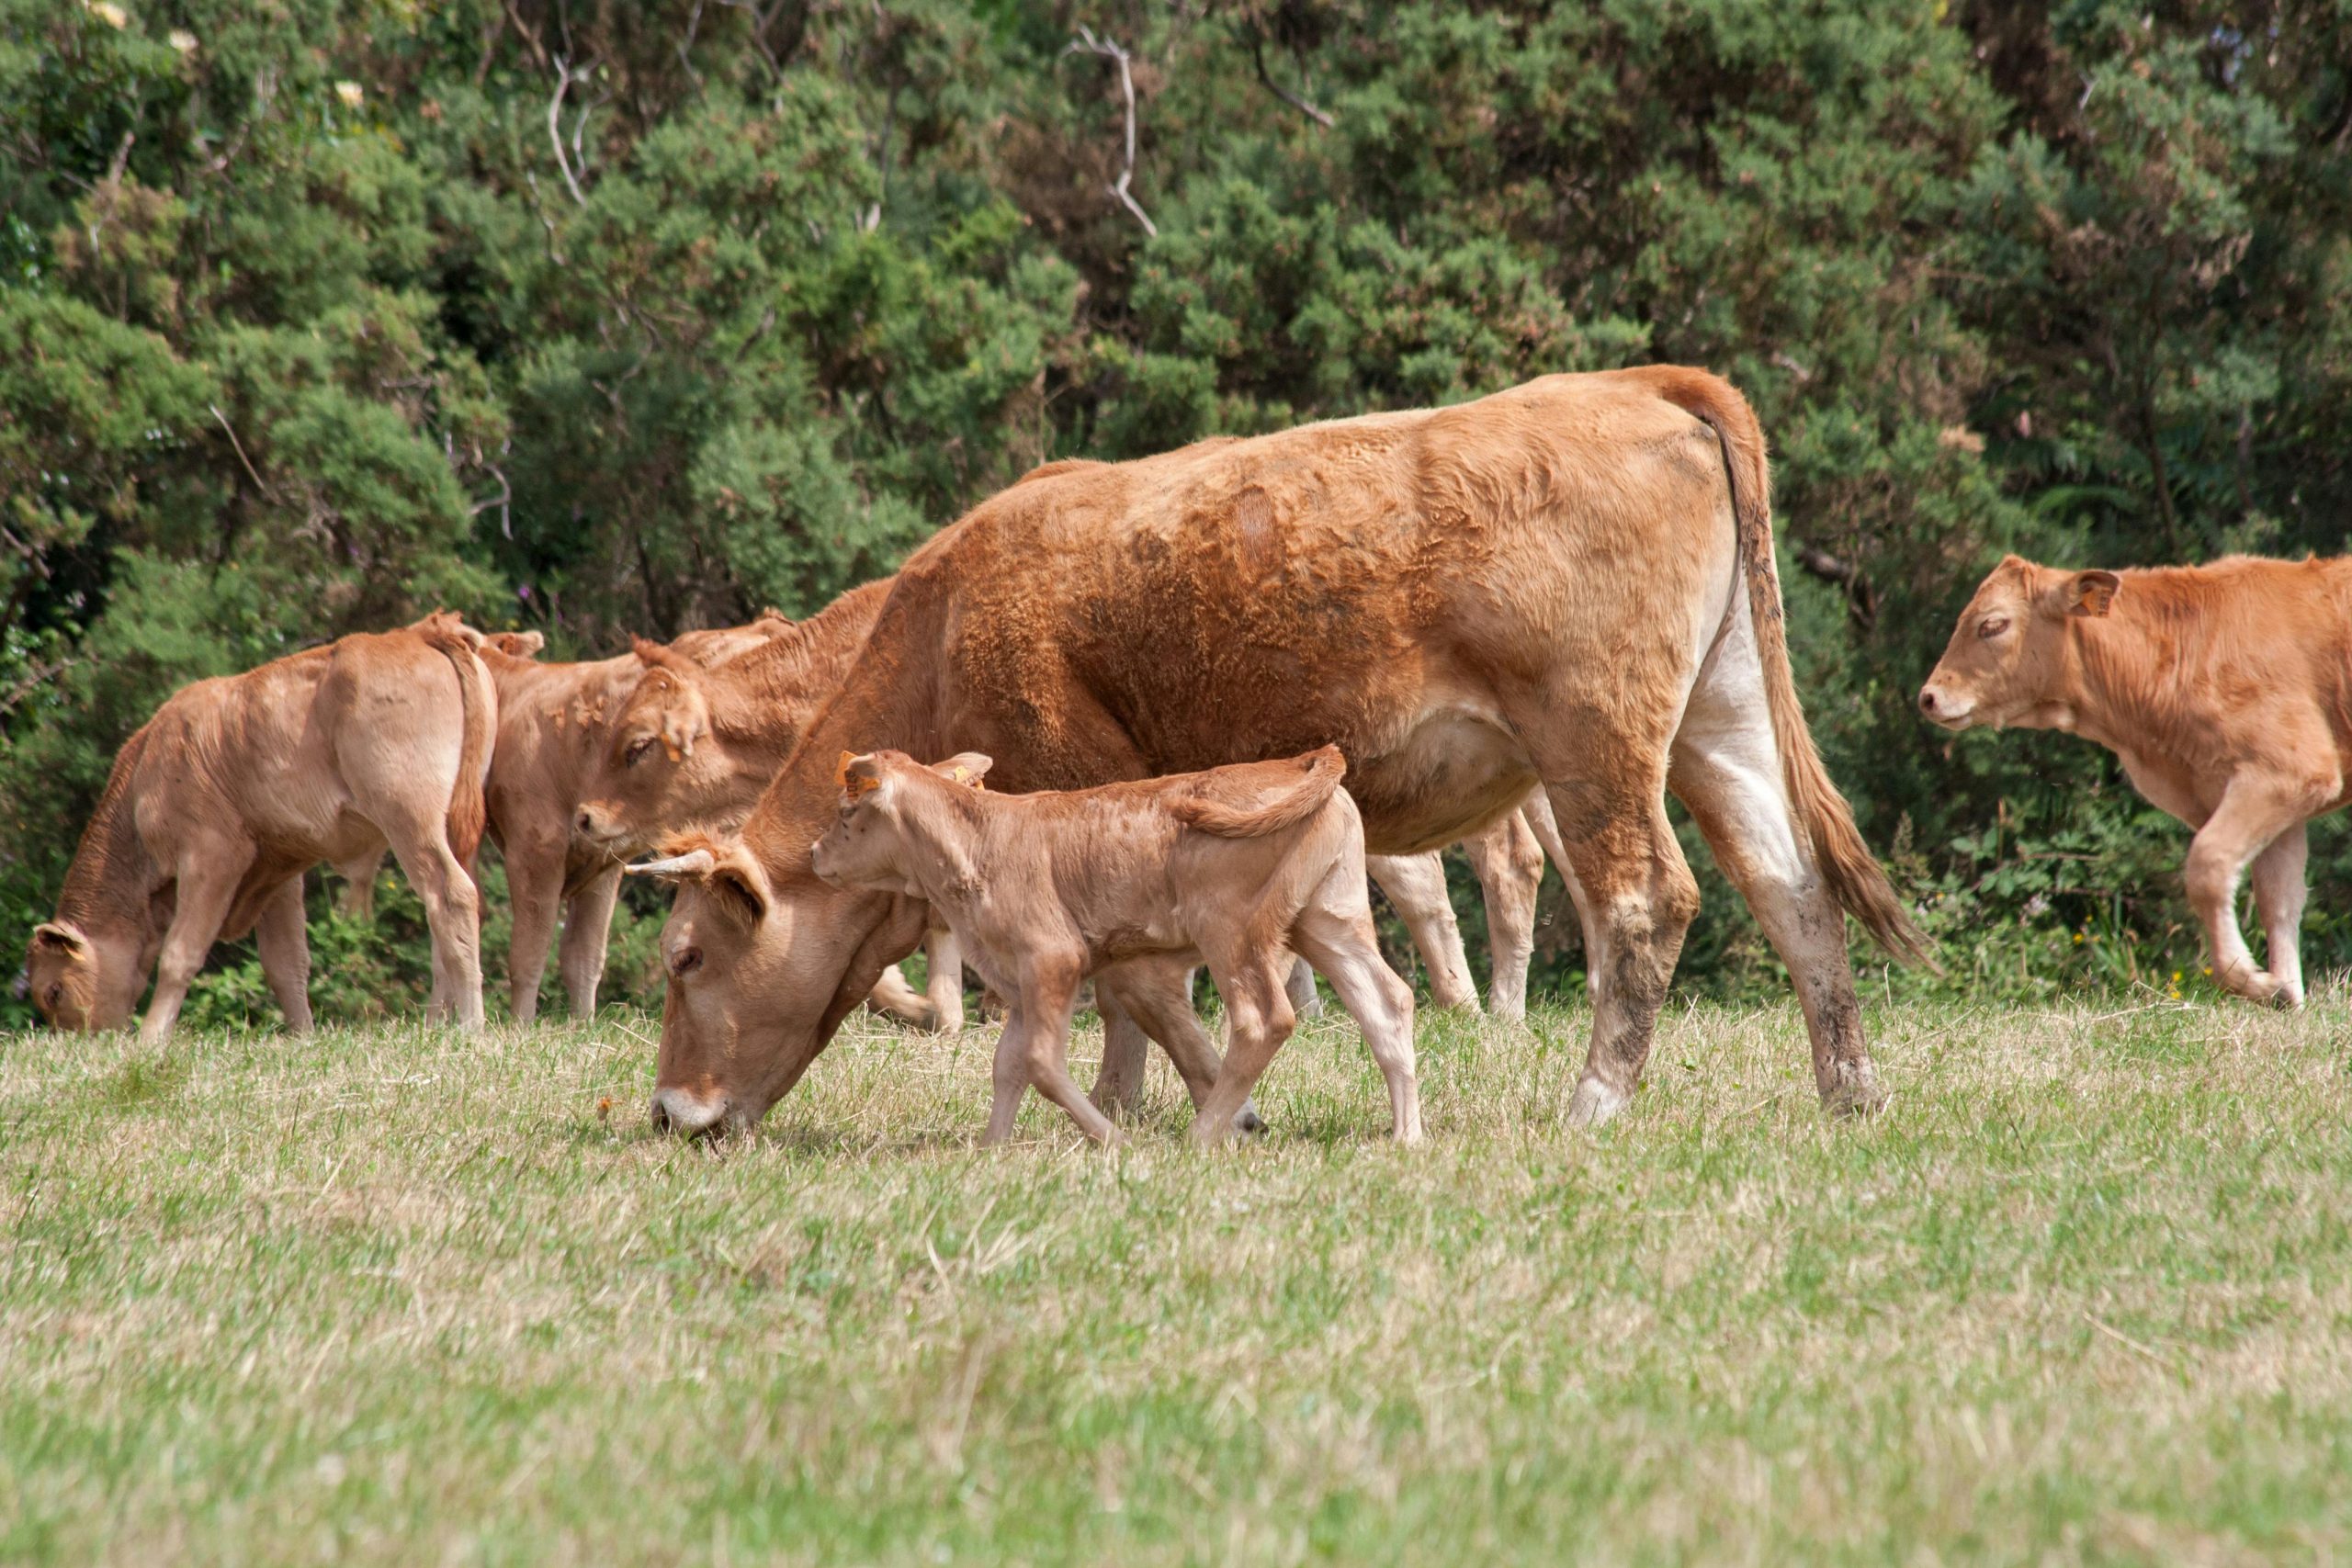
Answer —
(1571, 581)
(2225, 690)
(220, 802)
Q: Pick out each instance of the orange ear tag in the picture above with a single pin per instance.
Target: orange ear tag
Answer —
(672, 748)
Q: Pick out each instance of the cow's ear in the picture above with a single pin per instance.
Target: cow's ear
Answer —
(56, 936)
(967, 768)
(2092, 593)
(739, 886)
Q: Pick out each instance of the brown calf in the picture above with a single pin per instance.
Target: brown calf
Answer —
(220, 802)
(1243, 866)
(2225, 690)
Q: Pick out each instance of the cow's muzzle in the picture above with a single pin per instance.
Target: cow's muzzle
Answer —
(689, 1115)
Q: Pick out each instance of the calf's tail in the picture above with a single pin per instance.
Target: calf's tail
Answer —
(1293, 803)
(469, 812)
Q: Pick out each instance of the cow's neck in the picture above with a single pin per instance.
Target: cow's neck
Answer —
(767, 697)
(2125, 677)
(946, 835)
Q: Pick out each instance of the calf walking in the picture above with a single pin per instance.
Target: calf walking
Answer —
(1243, 866)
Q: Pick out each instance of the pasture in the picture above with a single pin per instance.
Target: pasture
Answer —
(2083, 1293)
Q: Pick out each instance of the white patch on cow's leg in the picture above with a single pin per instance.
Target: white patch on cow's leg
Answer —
(1415, 886)
(587, 930)
(2255, 809)
(2279, 893)
(1259, 1018)
(200, 904)
(285, 945)
(1304, 999)
(1335, 933)
(1726, 770)
(944, 982)
(1510, 867)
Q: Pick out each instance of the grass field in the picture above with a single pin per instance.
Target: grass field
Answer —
(2083, 1293)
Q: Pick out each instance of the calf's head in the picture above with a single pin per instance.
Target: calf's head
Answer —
(81, 981)
(866, 846)
(2007, 657)
(660, 766)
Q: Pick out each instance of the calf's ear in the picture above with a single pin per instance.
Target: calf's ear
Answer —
(58, 937)
(859, 775)
(2092, 593)
(967, 768)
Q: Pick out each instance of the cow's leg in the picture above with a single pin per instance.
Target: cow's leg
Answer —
(2279, 891)
(1126, 1053)
(534, 892)
(1158, 996)
(1643, 898)
(587, 930)
(2255, 809)
(285, 942)
(358, 873)
(452, 911)
(1258, 1016)
(1416, 885)
(1335, 933)
(944, 985)
(894, 997)
(203, 896)
(1304, 999)
(1726, 770)
(1510, 867)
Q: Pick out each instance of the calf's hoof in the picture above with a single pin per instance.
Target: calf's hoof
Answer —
(1853, 1092)
(1249, 1123)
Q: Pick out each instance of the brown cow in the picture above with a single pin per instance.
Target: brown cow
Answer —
(1571, 581)
(1242, 867)
(2225, 690)
(238, 785)
(693, 742)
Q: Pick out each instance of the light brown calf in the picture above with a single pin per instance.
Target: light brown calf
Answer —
(2225, 690)
(220, 802)
(1244, 866)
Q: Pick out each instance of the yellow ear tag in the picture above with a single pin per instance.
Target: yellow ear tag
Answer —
(673, 749)
(852, 787)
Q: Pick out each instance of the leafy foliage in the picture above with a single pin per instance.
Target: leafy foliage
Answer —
(606, 318)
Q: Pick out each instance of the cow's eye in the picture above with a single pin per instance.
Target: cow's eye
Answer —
(636, 750)
(1994, 627)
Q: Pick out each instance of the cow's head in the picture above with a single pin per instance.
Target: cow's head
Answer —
(82, 981)
(2008, 659)
(729, 951)
(660, 764)
(867, 845)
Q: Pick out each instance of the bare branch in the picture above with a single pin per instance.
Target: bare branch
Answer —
(563, 80)
(34, 677)
(1861, 598)
(258, 483)
(1087, 43)
(1258, 53)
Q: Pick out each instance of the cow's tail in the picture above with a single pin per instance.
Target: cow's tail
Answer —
(469, 811)
(1298, 800)
(1852, 873)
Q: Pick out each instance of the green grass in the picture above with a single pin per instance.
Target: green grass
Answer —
(2081, 1294)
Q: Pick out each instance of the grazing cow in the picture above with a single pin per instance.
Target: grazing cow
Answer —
(1571, 583)
(692, 741)
(2225, 690)
(220, 802)
(553, 720)
(1243, 867)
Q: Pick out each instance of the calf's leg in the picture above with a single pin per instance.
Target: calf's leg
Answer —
(1303, 1001)
(1510, 867)
(534, 892)
(1158, 996)
(286, 953)
(587, 929)
(2255, 809)
(944, 985)
(1256, 1007)
(453, 914)
(202, 896)
(1335, 934)
(1416, 885)
(2280, 892)
(1049, 997)
(358, 876)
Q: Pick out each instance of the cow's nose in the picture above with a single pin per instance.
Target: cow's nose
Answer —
(587, 824)
(1927, 701)
(682, 1111)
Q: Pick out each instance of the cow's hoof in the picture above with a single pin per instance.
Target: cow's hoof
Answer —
(1855, 1093)
(1594, 1103)
(1249, 1123)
